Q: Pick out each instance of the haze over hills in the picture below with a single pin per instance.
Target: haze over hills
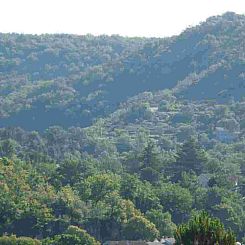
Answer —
(72, 80)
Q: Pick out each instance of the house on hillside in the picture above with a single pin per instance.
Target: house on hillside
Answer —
(125, 243)
(163, 241)
(168, 241)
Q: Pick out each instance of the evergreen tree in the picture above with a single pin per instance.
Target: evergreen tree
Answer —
(150, 163)
(190, 158)
(203, 230)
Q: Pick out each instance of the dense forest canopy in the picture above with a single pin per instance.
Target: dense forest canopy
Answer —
(46, 77)
(114, 138)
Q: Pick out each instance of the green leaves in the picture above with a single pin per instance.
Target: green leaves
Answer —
(21, 199)
(162, 221)
(139, 228)
(13, 240)
(203, 229)
(175, 199)
(97, 187)
(73, 236)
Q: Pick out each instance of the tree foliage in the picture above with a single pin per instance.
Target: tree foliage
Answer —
(203, 229)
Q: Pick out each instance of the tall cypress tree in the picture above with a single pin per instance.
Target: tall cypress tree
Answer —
(190, 158)
(150, 163)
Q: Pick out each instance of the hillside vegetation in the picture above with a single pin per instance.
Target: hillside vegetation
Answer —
(113, 138)
(71, 80)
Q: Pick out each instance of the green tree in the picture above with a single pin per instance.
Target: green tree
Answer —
(7, 148)
(24, 199)
(97, 187)
(176, 200)
(139, 228)
(73, 236)
(190, 157)
(74, 169)
(13, 240)
(162, 221)
(68, 209)
(150, 163)
(141, 193)
(203, 229)
(150, 156)
(228, 206)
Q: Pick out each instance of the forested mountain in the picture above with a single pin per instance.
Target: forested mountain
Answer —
(114, 138)
(71, 80)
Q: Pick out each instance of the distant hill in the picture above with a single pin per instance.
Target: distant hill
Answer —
(71, 80)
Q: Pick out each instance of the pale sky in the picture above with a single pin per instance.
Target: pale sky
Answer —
(155, 18)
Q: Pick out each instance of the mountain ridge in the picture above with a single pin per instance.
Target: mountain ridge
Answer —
(81, 78)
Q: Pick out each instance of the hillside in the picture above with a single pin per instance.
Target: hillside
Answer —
(72, 80)
(111, 138)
